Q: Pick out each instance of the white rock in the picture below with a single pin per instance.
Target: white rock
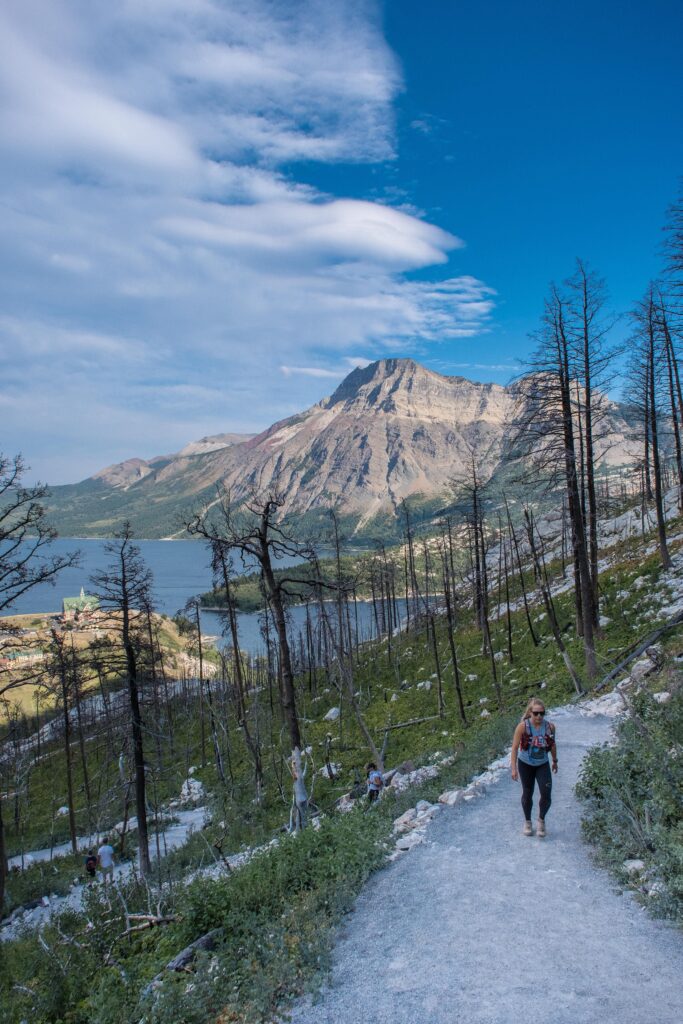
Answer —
(641, 669)
(192, 790)
(471, 678)
(604, 620)
(45, 901)
(543, 686)
(394, 696)
(426, 684)
(345, 803)
(409, 841)
(61, 811)
(485, 714)
(662, 698)
(332, 715)
(633, 867)
(451, 797)
(329, 771)
(498, 656)
(423, 805)
(656, 889)
(191, 770)
(483, 700)
(404, 822)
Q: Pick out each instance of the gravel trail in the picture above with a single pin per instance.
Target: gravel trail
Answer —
(485, 926)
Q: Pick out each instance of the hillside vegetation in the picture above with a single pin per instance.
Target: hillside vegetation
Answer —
(271, 920)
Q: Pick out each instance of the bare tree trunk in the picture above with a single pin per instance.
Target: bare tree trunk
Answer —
(549, 606)
(659, 498)
(442, 705)
(520, 571)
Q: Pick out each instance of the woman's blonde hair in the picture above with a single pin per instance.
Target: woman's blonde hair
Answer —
(534, 700)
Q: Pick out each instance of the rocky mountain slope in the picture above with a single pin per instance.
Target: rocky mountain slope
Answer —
(391, 430)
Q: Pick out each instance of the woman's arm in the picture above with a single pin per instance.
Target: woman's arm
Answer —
(515, 747)
(553, 753)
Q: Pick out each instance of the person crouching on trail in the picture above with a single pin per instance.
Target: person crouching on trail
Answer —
(375, 781)
(532, 747)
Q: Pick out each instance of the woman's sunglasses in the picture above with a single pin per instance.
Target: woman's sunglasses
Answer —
(541, 713)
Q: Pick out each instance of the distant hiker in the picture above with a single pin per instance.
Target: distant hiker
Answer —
(91, 864)
(375, 781)
(300, 795)
(532, 747)
(105, 859)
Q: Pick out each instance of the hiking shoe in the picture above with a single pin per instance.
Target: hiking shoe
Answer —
(527, 830)
(540, 829)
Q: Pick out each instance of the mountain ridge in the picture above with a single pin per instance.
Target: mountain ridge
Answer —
(392, 430)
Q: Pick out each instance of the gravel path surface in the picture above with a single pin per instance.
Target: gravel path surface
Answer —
(471, 925)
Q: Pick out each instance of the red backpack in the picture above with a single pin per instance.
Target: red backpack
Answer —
(547, 739)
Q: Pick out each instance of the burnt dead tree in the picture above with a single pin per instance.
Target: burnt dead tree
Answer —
(25, 562)
(257, 531)
(124, 590)
(545, 431)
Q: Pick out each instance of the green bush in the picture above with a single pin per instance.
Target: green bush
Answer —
(634, 795)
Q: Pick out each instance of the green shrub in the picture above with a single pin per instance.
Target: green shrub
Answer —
(634, 795)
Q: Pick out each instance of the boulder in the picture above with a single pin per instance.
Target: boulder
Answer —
(641, 669)
(633, 867)
(662, 698)
(485, 714)
(451, 797)
(405, 821)
(61, 812)
(192, 791)
(408, 842)
(332, 715)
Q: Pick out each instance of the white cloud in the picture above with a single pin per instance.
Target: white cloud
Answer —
(154, 227)
(313, 371)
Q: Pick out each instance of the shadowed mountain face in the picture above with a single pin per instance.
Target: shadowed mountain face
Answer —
(391, 430)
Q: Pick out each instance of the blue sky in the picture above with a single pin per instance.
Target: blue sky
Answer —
(213, 209)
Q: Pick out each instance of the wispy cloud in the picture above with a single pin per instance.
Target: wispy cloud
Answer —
(313, 371)
(154, 227)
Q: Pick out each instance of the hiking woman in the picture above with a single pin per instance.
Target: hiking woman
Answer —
(532, 747)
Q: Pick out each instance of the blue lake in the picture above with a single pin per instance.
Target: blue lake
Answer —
(181, 570)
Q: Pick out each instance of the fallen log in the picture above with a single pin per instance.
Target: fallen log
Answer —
(411, 721)
(639, 648)
(184, 958)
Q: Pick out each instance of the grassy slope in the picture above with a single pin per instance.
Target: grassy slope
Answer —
(315, 902)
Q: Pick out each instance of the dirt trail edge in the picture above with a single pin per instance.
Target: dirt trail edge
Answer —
(484, 925)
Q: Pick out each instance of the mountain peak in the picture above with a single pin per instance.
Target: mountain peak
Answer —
(375, 375)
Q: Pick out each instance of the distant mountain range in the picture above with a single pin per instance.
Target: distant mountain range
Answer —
(392, 430)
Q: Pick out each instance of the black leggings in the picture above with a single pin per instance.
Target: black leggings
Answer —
(529, 774)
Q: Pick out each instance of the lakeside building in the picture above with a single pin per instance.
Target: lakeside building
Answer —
(81, 607)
